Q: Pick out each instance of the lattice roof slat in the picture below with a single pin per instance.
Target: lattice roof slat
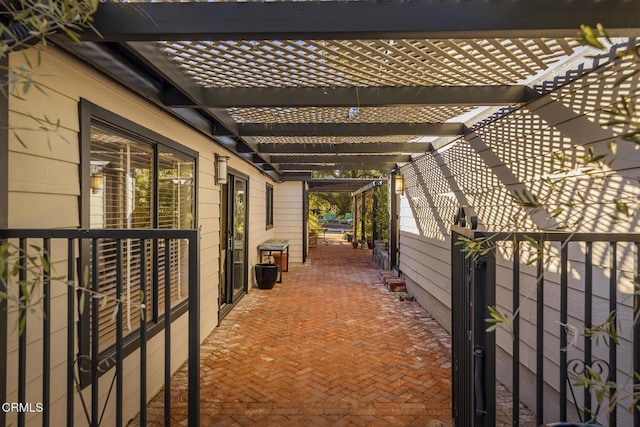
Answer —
(459, 56)
(509, 55)
(287, 58)
(430, 114)
(410, 65)
(495, 58)
(366, 55)
(523, 48)
(340, 63)
(361, 64)
(403, 49)
(352, 72)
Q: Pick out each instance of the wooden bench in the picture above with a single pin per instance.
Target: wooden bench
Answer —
(276, 245)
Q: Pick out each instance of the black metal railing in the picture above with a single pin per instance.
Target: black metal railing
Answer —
(583, 292)
(63, 309)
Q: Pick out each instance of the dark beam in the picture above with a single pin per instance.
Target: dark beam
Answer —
(338, 166)
(353, 96)
(296, 176)
(380, 148)
(334, 159)
(350, 129)
(180, 85)
(144, 21)
(339, 185)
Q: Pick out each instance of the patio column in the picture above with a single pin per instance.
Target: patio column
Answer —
(363, 216)
(355, 216)
(393, 221)
(374, 210)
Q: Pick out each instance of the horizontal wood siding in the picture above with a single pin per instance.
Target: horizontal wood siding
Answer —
(45, 186)
(481, 170)
(287, 216)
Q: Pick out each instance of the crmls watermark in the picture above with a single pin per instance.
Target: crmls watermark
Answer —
(22, 407)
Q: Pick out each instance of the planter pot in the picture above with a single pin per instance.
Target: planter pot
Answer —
(266, 275)
(276, 260)
(349, 237)
(369, 243)
(354, 243)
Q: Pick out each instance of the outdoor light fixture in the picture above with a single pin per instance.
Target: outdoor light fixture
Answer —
(399, 183)
(221, 166)
(96, 168)
(97, 182)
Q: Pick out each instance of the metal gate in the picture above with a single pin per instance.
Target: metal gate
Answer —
(474, 376)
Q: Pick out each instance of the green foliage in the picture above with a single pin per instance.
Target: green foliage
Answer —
(473, 248)
(24, 24)
(382, 213)
(22, 271)
(33, 21)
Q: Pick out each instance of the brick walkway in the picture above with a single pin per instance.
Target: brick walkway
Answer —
(329, 346)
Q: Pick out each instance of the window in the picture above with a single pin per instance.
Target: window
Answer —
(137, 179)
(269, 197)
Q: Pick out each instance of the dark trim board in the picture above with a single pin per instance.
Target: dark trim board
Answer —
(351, 129)
(346, 148)
(346, 96)
(376, 20)
(91, 115)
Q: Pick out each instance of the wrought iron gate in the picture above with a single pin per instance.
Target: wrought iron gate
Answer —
(474, 377)
(598, 258)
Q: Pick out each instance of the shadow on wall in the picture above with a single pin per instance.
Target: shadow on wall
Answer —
(511, 154)
(514, 153)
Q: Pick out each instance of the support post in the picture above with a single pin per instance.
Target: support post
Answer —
(374, 210)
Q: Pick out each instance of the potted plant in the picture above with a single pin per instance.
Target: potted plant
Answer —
(313, 238)
(348, 236)
(266, 275)
(369, 243)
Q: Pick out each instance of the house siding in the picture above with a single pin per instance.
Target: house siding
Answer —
(510, 154)
(44, 190)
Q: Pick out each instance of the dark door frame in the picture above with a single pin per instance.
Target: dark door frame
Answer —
(224, 307)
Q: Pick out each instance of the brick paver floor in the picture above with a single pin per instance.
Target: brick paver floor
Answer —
(328, 346)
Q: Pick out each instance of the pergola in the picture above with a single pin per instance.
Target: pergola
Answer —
(297, 87)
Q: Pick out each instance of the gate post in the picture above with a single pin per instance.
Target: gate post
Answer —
(473, 349)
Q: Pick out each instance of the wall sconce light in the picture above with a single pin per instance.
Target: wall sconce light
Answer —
(399, 183)
(221, 169)
(96, 168)
(97, 182)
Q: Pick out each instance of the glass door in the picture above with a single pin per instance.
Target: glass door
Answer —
(233, 262)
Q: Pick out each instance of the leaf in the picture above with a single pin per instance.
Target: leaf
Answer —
(115, 312)
(81, 303)
(22, 324)
(85, 276)
(622, 207)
